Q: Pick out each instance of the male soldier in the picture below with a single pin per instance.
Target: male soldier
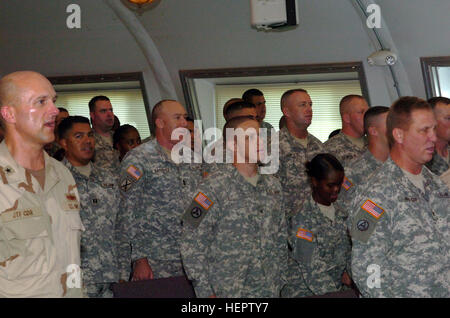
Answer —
(102, 118)
(156, 191)
(297, 146)
(99, 193)
(39, 207)
(233, 108)
(350, 142)
(441, 108)
(234, 233)
(378, 151)
(256, 97)
(400, 231)
(54, 147)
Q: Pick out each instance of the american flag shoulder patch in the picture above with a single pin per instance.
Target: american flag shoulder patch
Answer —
(134, 172)
(203, 200)
(305, 234)
(373, 209)
(346, 184)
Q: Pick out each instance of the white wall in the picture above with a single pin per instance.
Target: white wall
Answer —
(200, 34)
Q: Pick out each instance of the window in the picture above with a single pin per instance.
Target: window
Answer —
(126, 97)
(436, 75)
(324, 95)
(206, 91)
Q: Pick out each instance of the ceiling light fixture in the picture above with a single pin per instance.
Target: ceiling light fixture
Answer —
(140, 5)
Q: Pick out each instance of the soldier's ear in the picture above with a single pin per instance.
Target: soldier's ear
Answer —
(346, 118)
(398, 135)
(159, 123)
(372, 131)
(63, 143)
(8, 114)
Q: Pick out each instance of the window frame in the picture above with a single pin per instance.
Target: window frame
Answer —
(427, 63)
(187, 76)
(107, 78)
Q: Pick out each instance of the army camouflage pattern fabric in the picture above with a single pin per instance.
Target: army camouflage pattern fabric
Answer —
(410, 239)
(239, 249)
(99, 197)
(343, 149)
(437, 164)
(155, 193)
(105, 155)
(319, 260)
(292, 174)
(357, 173)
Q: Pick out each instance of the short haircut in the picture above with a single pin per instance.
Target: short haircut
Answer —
(238, 106)
(94, 100)
(248, 94)
(345, 101)
(156, 112)
(62, 109)
(67, 123)
(229, 102)
(371, 114)
(189, 119)
(399, 115)
(282, 122)
(334, 133)
(435, 100)
(288, 94)
(322, 165)
(120, 132)
(235, 123)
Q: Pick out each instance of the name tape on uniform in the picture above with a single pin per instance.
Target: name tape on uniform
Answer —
(16, 215)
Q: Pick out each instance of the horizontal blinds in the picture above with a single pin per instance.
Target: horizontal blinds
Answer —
(127, 104)
(324, 95)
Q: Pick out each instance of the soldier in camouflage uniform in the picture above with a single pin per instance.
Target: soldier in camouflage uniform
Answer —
(297, 146)
(99, 195)
(440, 161)
(102, 117)
(378, 151)
(400, 227)
(234, 235)
(321, 247)
(350, 142)
(155, 192)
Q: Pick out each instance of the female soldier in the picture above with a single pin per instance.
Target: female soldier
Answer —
(319, 240)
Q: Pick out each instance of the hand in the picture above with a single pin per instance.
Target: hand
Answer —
(142, 270)
(346, 280)
(213, 296)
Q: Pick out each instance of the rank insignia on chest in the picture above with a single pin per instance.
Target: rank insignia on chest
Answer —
(94, 201)
(305, 234)
(346, 184)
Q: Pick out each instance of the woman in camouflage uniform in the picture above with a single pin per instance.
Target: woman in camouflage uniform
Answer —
(319, 240)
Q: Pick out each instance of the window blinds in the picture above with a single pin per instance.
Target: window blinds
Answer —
(324, 95)
(128, 106)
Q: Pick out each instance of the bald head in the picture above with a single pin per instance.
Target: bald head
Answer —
(13, 86)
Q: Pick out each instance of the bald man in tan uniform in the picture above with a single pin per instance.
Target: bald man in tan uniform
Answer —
(40, 223)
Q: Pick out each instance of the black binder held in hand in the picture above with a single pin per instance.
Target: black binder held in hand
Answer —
(172, 287)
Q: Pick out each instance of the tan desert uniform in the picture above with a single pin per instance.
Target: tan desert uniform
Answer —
(39, 230)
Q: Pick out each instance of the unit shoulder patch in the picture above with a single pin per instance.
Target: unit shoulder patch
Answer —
(364, 223)
(197, 210)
